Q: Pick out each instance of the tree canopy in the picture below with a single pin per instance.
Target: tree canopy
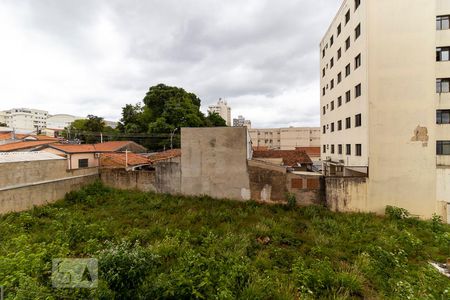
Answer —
(88, 130)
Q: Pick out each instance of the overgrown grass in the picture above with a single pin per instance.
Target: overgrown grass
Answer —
(153, 246)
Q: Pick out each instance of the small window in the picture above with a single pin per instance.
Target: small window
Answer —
(84, 163)
(358, 90)
(347, 70)
(348, 123)
(332, 149)
(323, 110)
(443, 116)
(443, 22)
(332, 105)
(358, 61)
(339, 104)
(323, 52)
(323, 91)
(443, 54)
(339, 77)
(358, 149)
(339, 29)
(331, 62)
(339, 125)
(340, 149)
(347, 96)
(443, 147)
(347, 17)
(443, 85)
(324, 146)
(332, 127)
(358, 120)
(331, 41)
(339, 53)
(324, 129)
(357, 4)
(357, 31)
(348, 149)
(347, 44)
(332, 84)
(323, 72)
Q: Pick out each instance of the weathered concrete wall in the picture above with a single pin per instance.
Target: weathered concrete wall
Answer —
(25, 184)
(346, 194)
(271, 183)
(168, 176)
(129, 180)
(214, 162)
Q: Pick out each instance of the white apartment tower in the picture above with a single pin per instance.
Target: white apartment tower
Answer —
(223, 110)
(26, 119)
(385, 103)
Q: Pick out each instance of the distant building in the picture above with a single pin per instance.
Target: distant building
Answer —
(285, 138)
(241, 122)
(2, 117)
(222, 109)
(61, 121)
(27, 119)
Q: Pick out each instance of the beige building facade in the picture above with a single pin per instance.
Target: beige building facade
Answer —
(285, 138)
(223, 110)
(385, 103)
(25, 119)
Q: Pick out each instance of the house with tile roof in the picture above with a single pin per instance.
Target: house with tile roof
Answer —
(88, 155)
(293, 159)
(26, 146)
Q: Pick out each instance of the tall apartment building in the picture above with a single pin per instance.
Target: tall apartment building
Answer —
(223, 110)
(385, 103)
(26, 119)
(241, 122)
(285, 138)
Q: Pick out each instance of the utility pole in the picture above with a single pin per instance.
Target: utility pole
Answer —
(101, 137)
(126, 159)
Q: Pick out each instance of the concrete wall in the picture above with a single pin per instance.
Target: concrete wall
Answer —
(347, 194)
(25, 184)
(168, 176)
(129, 180)
(214, 162)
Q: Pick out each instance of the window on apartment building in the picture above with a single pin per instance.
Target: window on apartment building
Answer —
(332, 127)
(324, 150)
(347, 70)
(348, 123)
(84, 163)
(347, 96)
(339, 149)
(332, 84)
(332, 149)
(443, 147)
(339, 77)
(443, 85)
(358, 61)
(357, 4)
(443, 22)
(358, 149)
(331, 62)
(443, 116)
(332, 105)
(347, 44)
(323, 91)
(347, 17)
(357, 31)
(323, 110)
(331, 41)
(358, 120)
(348, 149)
(324, 130)
(339, 29)
(339, 53)
(323, 52)
(323, 72)
(358, 90)
(339, 125)
(339, 104)
(443, 54)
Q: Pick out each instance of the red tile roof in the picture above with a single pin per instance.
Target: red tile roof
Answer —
(118, 160)
(164, 155)
(290, 158)
(23, 145)
(5, 136)
(311, 151)
(92, 148)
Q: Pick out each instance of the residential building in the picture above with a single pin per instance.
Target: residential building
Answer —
(2, 117)
(24, 146)
(222, 109)
(26, 119)
(385, 101)
(61, 121)
(241, 122)
(285, 138)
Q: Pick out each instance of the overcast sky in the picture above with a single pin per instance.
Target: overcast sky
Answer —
(93, 57)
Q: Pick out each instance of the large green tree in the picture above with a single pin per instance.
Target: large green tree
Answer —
(89, 130)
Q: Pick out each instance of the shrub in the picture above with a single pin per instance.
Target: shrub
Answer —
(291, 200)
(396, 213)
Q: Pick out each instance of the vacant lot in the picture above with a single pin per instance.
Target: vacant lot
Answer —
(156, 246)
